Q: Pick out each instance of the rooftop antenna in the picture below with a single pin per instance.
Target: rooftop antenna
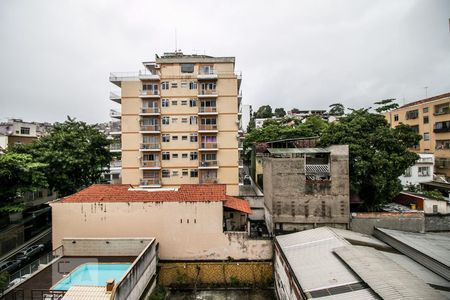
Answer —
(426, 91)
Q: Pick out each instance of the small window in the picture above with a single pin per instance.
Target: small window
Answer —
(184, 102)
(166, 138)
(174, 155)
(165, 102)
(24, 130)
(395, 117)
(174, 85)
(184, 155)
(185, 172)
(184, 85)
(184, 137)
(192, 103)
(166, 156)
(165, 85)
(192, 85)
(424, 171)
(174, 102)
(425, 109)
(194, 173)
(175, 138)
(435, 209)
(426, 120)
(174, 120)
(426, 136)
(194, 137)
(184, 120)
(193, 120)
(165, 120)
(193, 155)
(187, 68)
(174, 173)
(165, 173)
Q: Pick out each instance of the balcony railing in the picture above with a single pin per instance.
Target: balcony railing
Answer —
(150, 146)
(116, 164)
(207, 92)
(205, 180)
(425, 160)
(317, 169)
(114, 113)
(208, 145)
(207, 127)
(207, 72)
(115, 146)
(116, 127)
(150, 163)
(150, 181)
(207, 109)
(207, 163)
(150, 110)
(144, 93)
(150, 128)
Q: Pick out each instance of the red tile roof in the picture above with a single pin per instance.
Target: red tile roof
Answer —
(238, 204)
(426, 100)
(186, 193)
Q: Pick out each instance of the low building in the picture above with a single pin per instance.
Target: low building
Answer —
(421, 202)
(442, 187)
(17, 131)
(327, 263)
(421, 171)
(193, 222)
(306, 187)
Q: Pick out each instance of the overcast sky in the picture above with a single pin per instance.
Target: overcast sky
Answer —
(55, 56)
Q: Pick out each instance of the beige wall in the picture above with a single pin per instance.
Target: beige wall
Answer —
(200, 239)
(74, 246)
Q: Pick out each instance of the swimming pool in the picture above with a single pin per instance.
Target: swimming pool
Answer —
(92, 274)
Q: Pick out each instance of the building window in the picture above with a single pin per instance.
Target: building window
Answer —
(165, 85)
(174, 102)
(175, 138)
(174, 120)
(165, 102)
(174, 85)
(424, 171)
(185, 172)
(184, 85)
(192, 85)
(408, 172)
(192, 103)
(184, 102)
(184, 120)
(24, 130)
(194, 173)
(174, 173)
(165, 173)
(166, 156)
(425, 110)
(166, 138)
(184, 137)
(442, 109)
(193, 120)
(435, 209)
(442, 144)
(412, 114)
(442, 126)
(415, 128)
(426, 136)
(184, 155)
(395, 117)
(187, 68)
(165, 120)
(194, 137)
(426, 120)
(193, 155)
(174, 155)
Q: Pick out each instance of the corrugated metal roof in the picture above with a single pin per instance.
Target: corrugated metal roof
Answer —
(358, 295)
(82, 292)
(297, 150)
(388, 279)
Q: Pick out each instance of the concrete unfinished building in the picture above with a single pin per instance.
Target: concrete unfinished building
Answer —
(306, 188)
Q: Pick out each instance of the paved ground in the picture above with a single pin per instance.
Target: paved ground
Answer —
(224, 295)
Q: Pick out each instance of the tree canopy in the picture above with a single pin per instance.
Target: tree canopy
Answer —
(385, 105)
(263, 112)
(336, 109)
(378, 154)
(279, 112)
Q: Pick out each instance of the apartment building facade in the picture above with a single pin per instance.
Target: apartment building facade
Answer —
(431, 119)
(179, 122)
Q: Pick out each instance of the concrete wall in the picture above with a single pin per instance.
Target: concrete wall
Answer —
(184, 230)
(292, 204)
(365, 222)
(285, 286)
(74, 246)
(437, 222)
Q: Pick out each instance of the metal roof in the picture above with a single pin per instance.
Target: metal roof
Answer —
(388, 279)
(297, 150)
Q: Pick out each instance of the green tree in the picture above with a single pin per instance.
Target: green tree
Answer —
(280, 112)
(336, 109)
(385, 105)
(378, 154)
(75, 155)
(18, 174)
(263, 112)
(295, 110)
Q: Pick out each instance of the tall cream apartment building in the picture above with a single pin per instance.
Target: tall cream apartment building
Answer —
(179, 122)
(430, 118)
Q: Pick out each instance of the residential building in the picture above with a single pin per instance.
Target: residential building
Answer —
(327, 263)
(421, 171)
(306, 187)
(179, 122)
(422, 202)
(192, 222)
(430, 118)
(16, 131)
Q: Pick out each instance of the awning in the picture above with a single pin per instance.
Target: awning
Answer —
(237, 204)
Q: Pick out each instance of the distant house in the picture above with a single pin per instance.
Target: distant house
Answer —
(421, 171)
(421, 202)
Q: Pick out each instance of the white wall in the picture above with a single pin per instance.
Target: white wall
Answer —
(425, 160)
(245, 116)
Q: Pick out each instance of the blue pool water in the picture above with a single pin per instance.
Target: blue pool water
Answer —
(92, 274)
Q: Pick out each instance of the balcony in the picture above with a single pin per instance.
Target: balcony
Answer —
(207, 127)
(149, 93)
(208, 147)
(241, 163)
(207, 110)
(150, 129)
(115, 114)
(116, 128)
(150, 182)
(115, 165)
(115, 97)
(207, 93)
(441, 127)
(150, 147)
(206, 74)
(240, 146)
(312, 169)
(147, 75)
(150, 165)
(117, 77)
(150, 111)
(208, 164)
(115, 147)
(441, 109)
(208, 180)
(425, 160)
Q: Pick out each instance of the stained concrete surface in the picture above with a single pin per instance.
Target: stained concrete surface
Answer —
(224, 295)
